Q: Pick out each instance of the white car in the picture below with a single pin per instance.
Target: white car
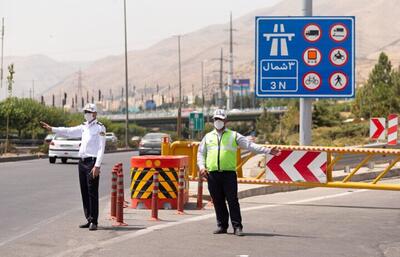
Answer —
(64, 148)
(110, 136)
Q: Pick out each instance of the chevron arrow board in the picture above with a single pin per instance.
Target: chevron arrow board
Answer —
(297, 166)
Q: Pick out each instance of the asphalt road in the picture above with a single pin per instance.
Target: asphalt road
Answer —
(41, 208)
(34, 191)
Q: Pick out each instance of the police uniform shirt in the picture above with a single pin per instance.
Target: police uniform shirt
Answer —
(93, 136)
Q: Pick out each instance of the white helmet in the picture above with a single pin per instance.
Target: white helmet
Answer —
(90, 108)
(219, 114)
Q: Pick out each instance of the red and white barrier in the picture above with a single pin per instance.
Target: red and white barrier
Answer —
(393, 122)
(154, 197)
(302, 166)
(114, 177)
(200, 192)
(377, 128)
(120, 198)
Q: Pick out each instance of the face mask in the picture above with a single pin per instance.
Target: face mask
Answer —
(219, 124)
(88, 117)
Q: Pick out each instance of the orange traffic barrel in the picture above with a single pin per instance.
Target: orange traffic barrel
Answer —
(142, 171)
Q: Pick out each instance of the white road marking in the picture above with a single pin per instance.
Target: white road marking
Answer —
(80, 250)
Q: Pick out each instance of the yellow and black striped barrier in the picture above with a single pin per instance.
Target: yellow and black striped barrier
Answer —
(142, 171)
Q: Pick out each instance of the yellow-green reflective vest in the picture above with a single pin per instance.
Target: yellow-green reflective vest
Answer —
(221, 154)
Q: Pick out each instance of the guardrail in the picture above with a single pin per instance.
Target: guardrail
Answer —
(333, 156)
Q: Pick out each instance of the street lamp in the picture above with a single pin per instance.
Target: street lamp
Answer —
(179, 121)
(126, 81)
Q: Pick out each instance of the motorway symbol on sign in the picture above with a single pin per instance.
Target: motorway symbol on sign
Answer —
(279, 37)
(291, 50)
(393, 122)
(304, 166)
(338, 32)
(377, 128)
(338, 81)
(312, 81)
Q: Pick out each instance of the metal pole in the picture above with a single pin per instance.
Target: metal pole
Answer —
(306, 104)
(229, 104)
(2, 51)
(178, 127)
(126, 81)
(221, 81)
(202, 86)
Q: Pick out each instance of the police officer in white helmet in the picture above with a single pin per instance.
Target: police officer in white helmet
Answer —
(91, 154)
(216, 159)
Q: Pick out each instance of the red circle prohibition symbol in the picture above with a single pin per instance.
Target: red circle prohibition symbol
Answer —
(342, 87)
(309, 80)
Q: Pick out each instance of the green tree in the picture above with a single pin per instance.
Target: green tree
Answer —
(380, 95)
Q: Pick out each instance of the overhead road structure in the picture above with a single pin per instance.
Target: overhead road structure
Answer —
(160, 118)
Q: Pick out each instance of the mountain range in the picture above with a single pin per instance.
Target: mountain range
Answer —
(377, 30)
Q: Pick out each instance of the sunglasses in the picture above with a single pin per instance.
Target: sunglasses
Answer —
(87, 112)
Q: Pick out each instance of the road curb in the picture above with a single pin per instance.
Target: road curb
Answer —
(45, 156)
(23, 158)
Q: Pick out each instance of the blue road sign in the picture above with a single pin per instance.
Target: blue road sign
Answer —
(240, 84)
(305, 57)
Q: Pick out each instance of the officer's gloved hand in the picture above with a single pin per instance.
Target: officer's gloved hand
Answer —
(204, 173)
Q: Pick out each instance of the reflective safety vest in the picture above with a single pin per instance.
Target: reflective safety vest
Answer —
(221, 153)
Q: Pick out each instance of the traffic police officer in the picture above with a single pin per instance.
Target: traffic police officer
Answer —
(216, 159)
(91, 154)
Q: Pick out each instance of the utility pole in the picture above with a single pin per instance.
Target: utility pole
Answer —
(179, 121)
(221, 81)
(202, 86)
(229, 103)
(79, 88)
(305, 103)
(2, 51)
(126, 81)
(33, 89)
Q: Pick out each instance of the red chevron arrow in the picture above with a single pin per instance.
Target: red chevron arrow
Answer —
(302, 166)
(379, 128)
(275, 165)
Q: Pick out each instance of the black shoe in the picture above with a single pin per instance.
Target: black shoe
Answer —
(86, 225)
(238, 232)
(220, 231)
(92, 227)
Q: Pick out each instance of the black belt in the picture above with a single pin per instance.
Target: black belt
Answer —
(88, 159)
(223, 171)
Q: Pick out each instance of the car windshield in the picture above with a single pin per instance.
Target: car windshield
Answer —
(154, 136)
(67, 139)
(109, 134)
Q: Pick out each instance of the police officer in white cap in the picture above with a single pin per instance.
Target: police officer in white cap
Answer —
(216, 159)
(91, 154)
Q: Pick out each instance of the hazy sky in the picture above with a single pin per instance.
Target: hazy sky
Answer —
(81, 30)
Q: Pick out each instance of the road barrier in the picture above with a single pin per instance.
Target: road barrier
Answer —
(114, 176)
(142, 171)
(298, 166)
(181, 190)
(154, 198)
(120, 198)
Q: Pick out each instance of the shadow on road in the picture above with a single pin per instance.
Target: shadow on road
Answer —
(272, 234)
(124, 228)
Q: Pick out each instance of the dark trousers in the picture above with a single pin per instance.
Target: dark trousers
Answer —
(223, 187)
(89, 190)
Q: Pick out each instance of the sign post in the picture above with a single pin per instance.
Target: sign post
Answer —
(306, 58)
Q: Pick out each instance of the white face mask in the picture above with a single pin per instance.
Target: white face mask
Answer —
(89, 117)
(219, 124)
